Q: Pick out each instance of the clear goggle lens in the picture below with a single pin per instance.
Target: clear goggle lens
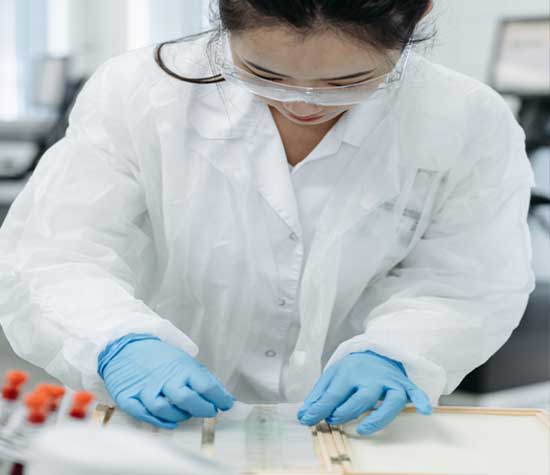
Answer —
(325, 96)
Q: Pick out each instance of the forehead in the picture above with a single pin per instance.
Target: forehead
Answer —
(319, 54)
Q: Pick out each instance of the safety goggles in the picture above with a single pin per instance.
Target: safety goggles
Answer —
(323, 96)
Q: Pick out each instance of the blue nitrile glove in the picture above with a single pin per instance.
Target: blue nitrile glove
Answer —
(354, 385)
(158, 383)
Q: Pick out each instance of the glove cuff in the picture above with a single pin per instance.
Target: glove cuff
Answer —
(395, 363)
(113, 348)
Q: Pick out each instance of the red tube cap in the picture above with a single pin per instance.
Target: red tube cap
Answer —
(37, 407)
(54, 393)
(12, 385)
(81, 401)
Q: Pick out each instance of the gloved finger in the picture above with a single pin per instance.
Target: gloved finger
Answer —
(335, 395)
(394, 402)
(205, 384)
(358, 403)
(419, 399)
(163, 409)
(318, 390)
(153, 400)
(188, 400)
(137, 409)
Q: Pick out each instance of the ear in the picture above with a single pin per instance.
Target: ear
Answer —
(429, 9)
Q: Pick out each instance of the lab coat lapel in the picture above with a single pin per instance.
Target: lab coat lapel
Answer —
(269, 162)
(198, 118)
(234, 131)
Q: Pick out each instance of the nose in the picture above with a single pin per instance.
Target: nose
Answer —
(302, 109)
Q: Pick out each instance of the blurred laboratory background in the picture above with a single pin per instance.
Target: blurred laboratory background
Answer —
(49, 47)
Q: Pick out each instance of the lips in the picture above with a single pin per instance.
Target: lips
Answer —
(307, 118)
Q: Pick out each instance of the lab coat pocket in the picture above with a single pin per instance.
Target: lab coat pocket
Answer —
(406, 224)
(399, 243)
(413, 219)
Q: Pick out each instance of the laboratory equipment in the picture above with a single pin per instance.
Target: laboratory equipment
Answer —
(14, 381)
(37, 404)
(24, 416)
(521, 64)
(54, 393)
(327, 96)
(23, 142)
(521, 68)
(26, 421)
(453, 441)
(80, 405)
(21, 150)
(254, 437)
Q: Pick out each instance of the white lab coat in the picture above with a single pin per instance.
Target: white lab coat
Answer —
(145, 218)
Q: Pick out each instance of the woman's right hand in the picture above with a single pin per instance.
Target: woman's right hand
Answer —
(158, 383)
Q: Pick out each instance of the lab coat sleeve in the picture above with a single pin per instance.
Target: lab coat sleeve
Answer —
(457, 297)
(72, 244)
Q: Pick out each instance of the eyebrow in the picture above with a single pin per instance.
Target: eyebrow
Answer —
(265, 70)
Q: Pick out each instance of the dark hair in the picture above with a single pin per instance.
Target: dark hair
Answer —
(384, 24)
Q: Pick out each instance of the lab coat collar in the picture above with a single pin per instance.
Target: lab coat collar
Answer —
(232, 134)
(329, 144)
(218, 111)
(230, 114)
(225, 111)
(353, 127)
(362, 119)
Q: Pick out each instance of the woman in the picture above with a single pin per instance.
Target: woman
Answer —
(296, 192)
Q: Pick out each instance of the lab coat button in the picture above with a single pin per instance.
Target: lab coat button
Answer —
(281, 302)
(270, 353)
(294, 237)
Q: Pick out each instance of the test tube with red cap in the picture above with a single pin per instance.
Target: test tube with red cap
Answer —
(54, 394)
(37, 405)
(80, 405)
(37, 408)
(33, 416)
(29, 416)
(14, 380)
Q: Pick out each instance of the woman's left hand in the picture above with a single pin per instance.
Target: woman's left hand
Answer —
(354, 385)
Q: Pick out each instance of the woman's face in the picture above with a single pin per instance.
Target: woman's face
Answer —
(322, 59)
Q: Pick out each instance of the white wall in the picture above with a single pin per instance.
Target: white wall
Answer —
(467, 29)
(8, 65)
(100, 29)
(175, 18)
(97, 31)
